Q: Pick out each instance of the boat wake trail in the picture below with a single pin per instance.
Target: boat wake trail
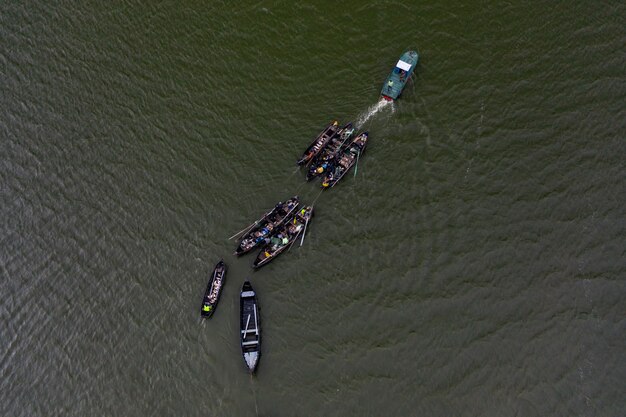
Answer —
(256, 404)
(372, 111)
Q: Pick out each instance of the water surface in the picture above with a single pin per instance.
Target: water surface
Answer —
(473, 267)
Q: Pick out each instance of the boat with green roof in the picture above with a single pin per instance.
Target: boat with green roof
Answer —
(399, 76)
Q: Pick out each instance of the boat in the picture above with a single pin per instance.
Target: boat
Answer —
(285, 236)
(321, 162)
(213, 290)
(262, 229)
(250, 327)
(318, 144)
(399, 76)
(345, 160)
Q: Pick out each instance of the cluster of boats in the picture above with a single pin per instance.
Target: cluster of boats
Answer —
(273, 233)
(333, 153)
(330, 157)
(249, 318)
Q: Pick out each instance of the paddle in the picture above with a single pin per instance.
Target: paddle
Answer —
(304, 231)
(356, 167)
(340, 146)
(248, 228)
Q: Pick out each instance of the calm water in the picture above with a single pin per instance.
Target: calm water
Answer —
(474, 266)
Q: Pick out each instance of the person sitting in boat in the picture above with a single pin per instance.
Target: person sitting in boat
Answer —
(389, 84)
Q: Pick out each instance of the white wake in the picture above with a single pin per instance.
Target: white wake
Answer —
(372, 110)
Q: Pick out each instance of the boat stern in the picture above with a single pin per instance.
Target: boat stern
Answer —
(207, 310)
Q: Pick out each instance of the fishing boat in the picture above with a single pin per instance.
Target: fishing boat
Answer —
(345, 160)
(399, 76)
(261, 230)
(321, 162)
(285, 236)
(213, 290)
(250, 327)
(318, 144)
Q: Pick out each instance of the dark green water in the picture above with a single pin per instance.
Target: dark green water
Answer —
(474, 267)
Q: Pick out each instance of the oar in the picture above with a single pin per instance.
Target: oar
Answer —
(248, 227)
(304, 231)
(291, 244)
(356, 167)
(341, 146)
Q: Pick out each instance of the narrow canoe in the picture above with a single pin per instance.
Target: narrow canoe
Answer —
(213, 290)
(250, 327)
(345, 161)
(321, 162)
(262, 229)
(285, 236)
(318, 144)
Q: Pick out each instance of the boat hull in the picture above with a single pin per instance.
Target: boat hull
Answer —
(319, 143)
(250, 325)
(323, 160)
(213, 290)
(291, 230)
(346, 160)
(264, 227)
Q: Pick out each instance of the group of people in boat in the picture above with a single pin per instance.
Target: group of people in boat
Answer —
(345, 160)
(287, 233)
(403, 77)
(215, 289)
(318, 167)
(261, 233)
(319, 144)
(325, 159)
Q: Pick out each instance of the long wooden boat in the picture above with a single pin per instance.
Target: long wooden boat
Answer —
(213, 290)
(285, 236)
(345, 160)
(250, 327)
(318, 144)
(399, 76)
(321, 162)
(262, 229)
